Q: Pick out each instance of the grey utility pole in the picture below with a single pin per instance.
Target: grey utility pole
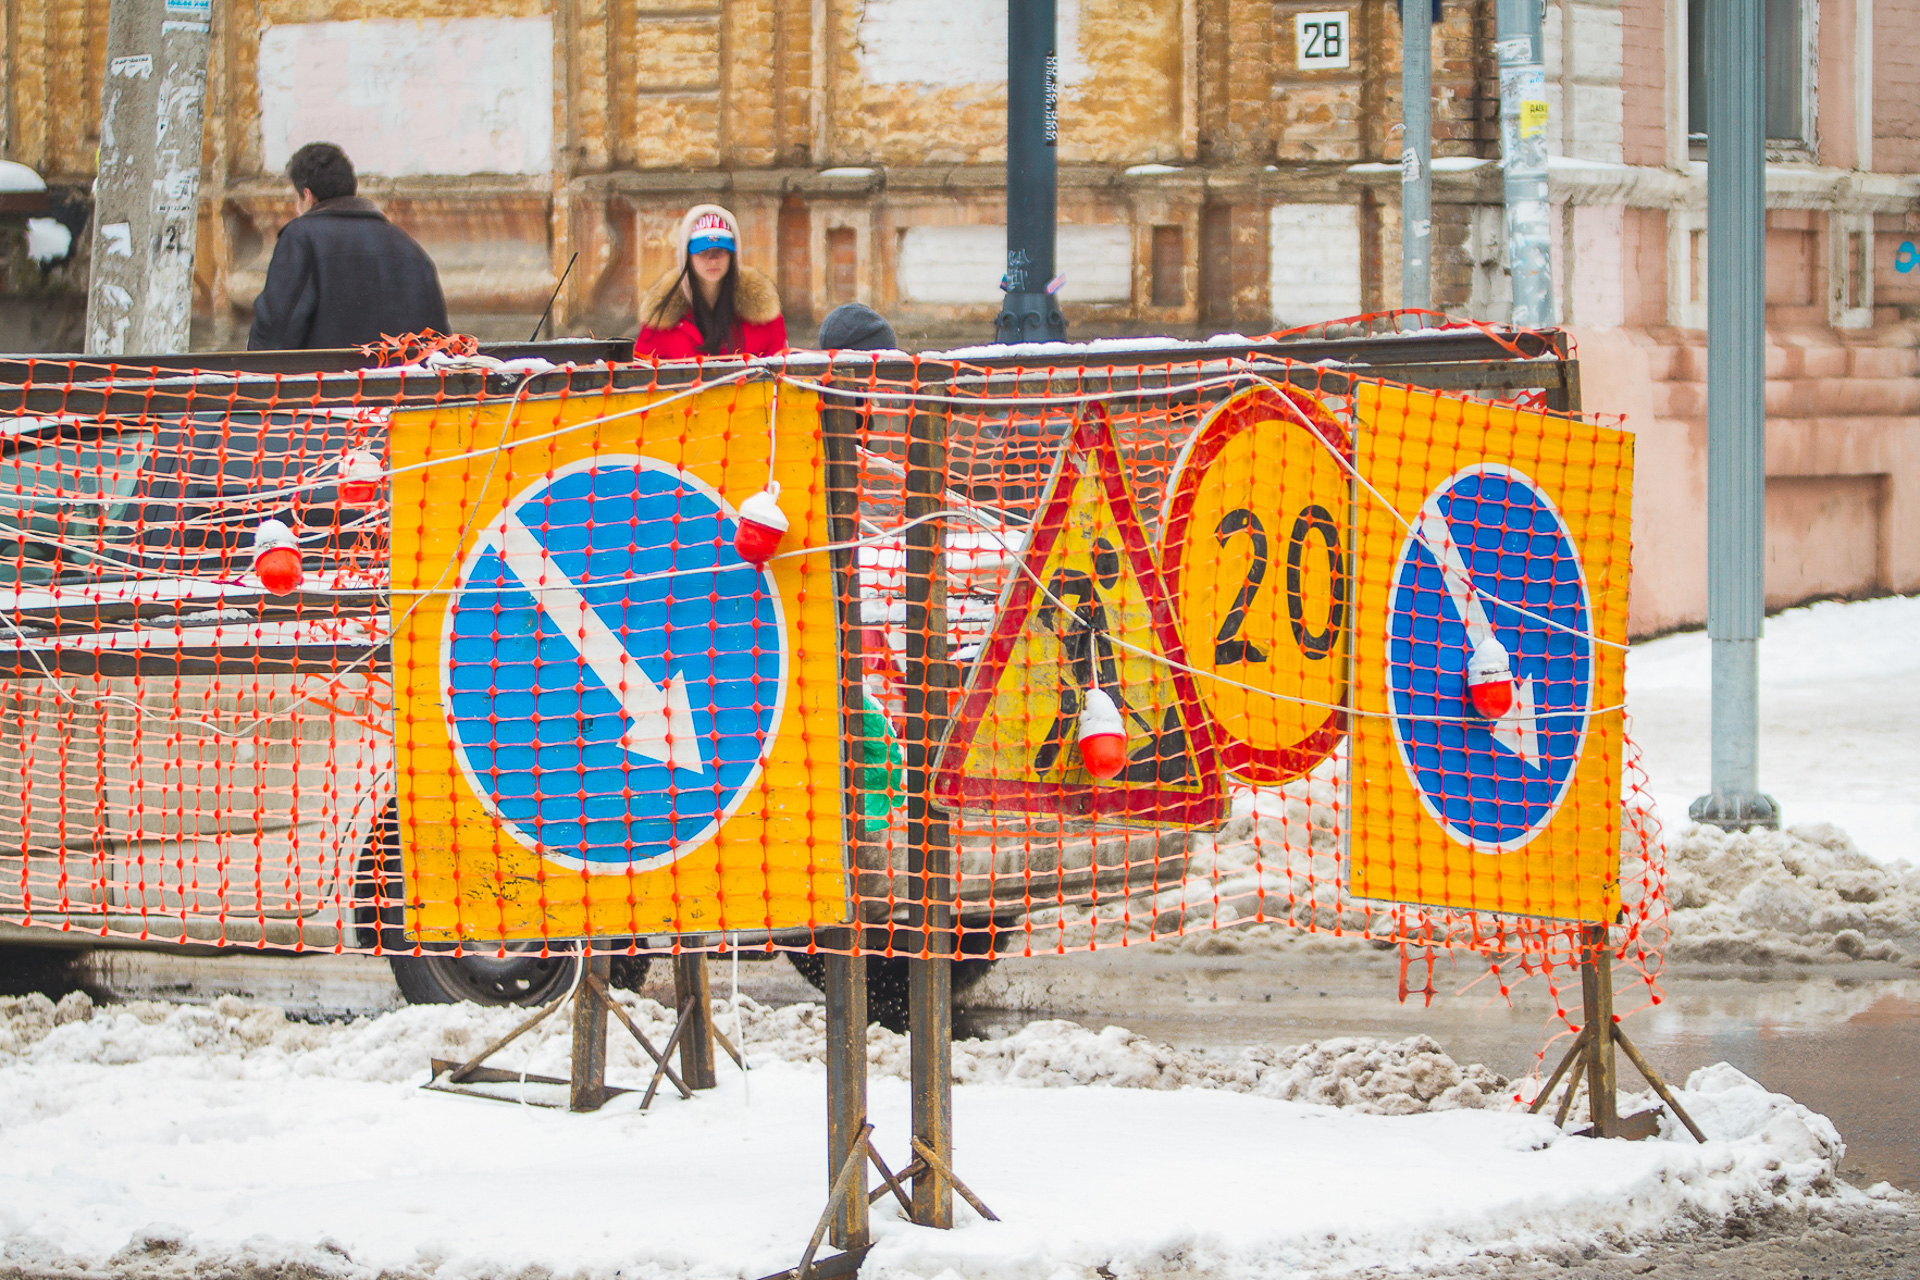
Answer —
(1736, 409)
(1030, 313)
(1523, 151)
(1416, 155)
(146, 197)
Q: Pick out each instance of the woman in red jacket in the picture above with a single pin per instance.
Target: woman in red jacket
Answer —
(710, 305)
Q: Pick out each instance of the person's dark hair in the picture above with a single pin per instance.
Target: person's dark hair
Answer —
(322, 168)
(717, 323)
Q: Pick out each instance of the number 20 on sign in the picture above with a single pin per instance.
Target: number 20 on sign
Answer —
(1256, 562)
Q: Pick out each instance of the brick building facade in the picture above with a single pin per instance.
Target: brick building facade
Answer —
(1207, 183)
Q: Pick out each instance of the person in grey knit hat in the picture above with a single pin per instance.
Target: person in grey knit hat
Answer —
(855, 327)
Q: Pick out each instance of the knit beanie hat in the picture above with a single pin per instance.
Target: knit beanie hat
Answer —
(855, 327)
(706, 226)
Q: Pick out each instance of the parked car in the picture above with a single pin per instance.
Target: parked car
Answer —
(199, 764)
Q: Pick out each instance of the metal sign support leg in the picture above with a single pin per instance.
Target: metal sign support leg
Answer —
(1590, 1058)
(1596, 997)
(588, 1078)
(693, 997)
(930, 853)
(847, 1125)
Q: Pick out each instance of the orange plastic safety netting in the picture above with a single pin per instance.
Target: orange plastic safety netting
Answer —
(1039, 653)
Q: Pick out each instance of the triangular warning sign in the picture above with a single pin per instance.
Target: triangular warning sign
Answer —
(1086, 608)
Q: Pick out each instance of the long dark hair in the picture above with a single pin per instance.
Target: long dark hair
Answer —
(717, 324)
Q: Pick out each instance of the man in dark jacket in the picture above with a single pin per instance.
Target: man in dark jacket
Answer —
(341, 275)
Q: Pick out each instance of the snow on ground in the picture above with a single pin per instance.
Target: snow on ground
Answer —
(1839, 719)
(172, 1140)
(1804, 895)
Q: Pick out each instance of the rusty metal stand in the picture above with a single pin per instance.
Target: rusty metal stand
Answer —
(694, 997)
(1589, 1059)
(929, 676)
(587, 1089)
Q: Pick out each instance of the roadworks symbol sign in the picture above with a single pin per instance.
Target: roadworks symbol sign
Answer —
(1103, 618)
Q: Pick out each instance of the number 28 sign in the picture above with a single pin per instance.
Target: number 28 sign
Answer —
(1256, 563)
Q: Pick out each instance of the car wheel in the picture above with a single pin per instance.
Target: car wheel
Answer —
(887, 983)
(50, 971)
(521, 977)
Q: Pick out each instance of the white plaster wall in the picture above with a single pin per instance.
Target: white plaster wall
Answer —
(952, 42)
(1584, 54)
(1316, 262)
(960, 265)
(433, 96)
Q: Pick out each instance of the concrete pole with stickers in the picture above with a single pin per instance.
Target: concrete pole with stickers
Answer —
(1523, 156)
(147, 195)
(1416, 155)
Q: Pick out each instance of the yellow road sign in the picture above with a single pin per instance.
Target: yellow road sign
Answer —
(1101, 620)
(606, 722)
(1254, 551)
(1512, 526)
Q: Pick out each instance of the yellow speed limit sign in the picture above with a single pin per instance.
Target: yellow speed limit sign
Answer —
(1256, 559)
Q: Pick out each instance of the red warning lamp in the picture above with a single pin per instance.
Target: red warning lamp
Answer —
(359, 478)
(762, 525)
(1490, 679)
(1103, 738)
(276, 558)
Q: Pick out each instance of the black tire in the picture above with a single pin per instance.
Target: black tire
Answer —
(887, 983)
(521, 977)
(49, 971)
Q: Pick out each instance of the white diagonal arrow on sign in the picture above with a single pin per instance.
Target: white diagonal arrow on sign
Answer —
(659, 721)
(1516, 730)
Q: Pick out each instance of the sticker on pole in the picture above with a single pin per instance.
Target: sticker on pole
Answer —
(1084, 650)
(611, 666)
(607, 723)
(1254, 552)
(1489, 663)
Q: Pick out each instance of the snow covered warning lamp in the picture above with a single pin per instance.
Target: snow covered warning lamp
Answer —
(1103, 738)
(359, 478)
(1490, 679)
(762, 525)
(276, 558)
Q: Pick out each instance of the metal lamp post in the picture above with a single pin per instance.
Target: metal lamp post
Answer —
(1029, 312)
(1736, 409)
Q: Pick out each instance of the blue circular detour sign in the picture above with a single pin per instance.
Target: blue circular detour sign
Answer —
(611, 668)
(1490, 555)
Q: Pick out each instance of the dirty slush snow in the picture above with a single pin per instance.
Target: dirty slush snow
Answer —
(159, 1140)
(1373, 1077)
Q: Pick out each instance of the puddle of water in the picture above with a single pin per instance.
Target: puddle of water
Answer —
(1849, 1050)
(1861, 1070)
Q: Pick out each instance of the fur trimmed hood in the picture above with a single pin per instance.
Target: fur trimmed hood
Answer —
(754, 298)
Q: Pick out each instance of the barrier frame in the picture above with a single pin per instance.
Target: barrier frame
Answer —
(1476, 360)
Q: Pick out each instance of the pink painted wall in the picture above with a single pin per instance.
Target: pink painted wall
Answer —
(1643, 80)
(1843, 463)
(1896, 87)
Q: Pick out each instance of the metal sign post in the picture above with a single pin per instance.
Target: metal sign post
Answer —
(1030, 313)
(930, 849)
(146, 197)
(846, 977)
(1736, 410)
(1523, 150)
